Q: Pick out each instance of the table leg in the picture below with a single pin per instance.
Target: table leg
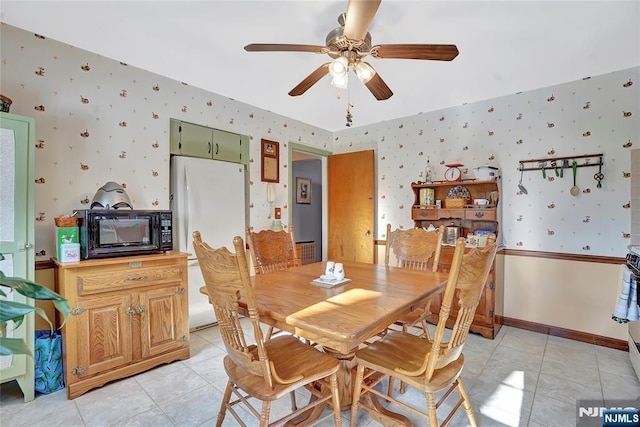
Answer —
(345, 377)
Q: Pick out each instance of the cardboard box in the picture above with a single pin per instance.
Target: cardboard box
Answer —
(69, 252)
(65, 235)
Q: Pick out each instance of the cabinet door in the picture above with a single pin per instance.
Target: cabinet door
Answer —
(192, 140)
(104, 334)
(227, 146)
(17, 235)
(164, 322)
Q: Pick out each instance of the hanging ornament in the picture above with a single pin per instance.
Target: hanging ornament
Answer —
(349, 115)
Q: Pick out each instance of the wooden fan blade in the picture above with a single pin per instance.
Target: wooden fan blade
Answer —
(379, 88)
(275, 47)
(436, 52)
(310, 80)
(360, 14)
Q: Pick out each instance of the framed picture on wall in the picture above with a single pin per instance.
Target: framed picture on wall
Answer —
(270, 161)
(303, 190)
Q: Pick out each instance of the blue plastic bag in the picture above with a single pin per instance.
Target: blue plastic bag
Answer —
(48, 362)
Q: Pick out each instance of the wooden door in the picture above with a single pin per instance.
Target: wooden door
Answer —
(162, 319)
(103, 335)
(351, 182)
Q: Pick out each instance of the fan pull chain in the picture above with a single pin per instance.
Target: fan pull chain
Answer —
(349, 105)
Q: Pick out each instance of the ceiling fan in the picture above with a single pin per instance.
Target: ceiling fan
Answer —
(349, 44)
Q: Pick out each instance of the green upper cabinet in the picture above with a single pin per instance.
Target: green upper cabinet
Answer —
(188, 139)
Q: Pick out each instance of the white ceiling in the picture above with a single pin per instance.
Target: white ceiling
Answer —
(505, 47)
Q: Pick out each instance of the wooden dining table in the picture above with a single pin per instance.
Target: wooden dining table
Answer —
(342, 318)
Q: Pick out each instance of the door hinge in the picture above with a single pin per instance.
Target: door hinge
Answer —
(181, 291)
(490, 313)
(77, 310)
(79, 370)
(492, 285)
(182, 339)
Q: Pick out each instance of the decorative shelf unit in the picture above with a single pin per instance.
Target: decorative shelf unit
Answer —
(488, 318)
(467, 215)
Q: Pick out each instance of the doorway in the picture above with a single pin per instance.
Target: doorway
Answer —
(308, 214)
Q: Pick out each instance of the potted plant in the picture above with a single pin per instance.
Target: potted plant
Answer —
(15, 311)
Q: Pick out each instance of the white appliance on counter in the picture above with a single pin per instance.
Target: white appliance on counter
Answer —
(207, 196)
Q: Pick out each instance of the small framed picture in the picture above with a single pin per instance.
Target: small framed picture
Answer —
(270, 161)
(303, 190)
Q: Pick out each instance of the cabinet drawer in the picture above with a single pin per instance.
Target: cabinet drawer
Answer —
(451, 213)
(481, 214)
(132, 278)
(417, 213)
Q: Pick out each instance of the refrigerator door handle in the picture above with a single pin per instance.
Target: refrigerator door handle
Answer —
(186, 202)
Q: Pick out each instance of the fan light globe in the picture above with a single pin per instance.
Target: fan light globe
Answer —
(340, 82)
(339, 67)
(364, 72)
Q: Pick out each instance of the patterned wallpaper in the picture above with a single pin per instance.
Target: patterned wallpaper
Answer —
(100, 120)
(599, 114)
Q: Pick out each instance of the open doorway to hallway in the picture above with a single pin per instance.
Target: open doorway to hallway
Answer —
(308, 203)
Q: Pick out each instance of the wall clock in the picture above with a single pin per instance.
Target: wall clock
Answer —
(453, 172)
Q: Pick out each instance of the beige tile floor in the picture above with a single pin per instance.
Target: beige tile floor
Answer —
(521, 378)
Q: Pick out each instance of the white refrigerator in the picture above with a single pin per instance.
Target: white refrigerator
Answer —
(206, 196)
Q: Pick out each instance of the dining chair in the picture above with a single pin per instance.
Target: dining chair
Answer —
(429, 365)
(272, 251)
(415, 249)
(268, 369)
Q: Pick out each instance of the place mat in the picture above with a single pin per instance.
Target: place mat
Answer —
(329, 283)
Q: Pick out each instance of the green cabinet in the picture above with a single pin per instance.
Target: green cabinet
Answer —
(17, 236)
(192, 140)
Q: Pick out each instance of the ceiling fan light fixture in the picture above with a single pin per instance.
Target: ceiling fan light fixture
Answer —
(339, 67)
(364, 71)
(340, 82)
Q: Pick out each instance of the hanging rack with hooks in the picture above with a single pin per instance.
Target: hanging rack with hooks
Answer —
(541, 164)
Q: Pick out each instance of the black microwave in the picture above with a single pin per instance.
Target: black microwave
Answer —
(124, 232)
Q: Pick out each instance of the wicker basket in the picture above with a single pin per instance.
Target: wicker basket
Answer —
(455, 203)
(65, 221)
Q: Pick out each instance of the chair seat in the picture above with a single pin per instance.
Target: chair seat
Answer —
(291, 358)
(406, 351)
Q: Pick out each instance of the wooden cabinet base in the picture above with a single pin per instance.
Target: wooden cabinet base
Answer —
(78, 388)
(127, 315)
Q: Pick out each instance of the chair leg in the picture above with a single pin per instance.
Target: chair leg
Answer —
(337, 418)
(357, 388)
(267, 335)
(294, 407)
(426, 330)
(264, 414)
(390, 388)
(431, 409)
(467, 405)
(402, 389)
(223, 405)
